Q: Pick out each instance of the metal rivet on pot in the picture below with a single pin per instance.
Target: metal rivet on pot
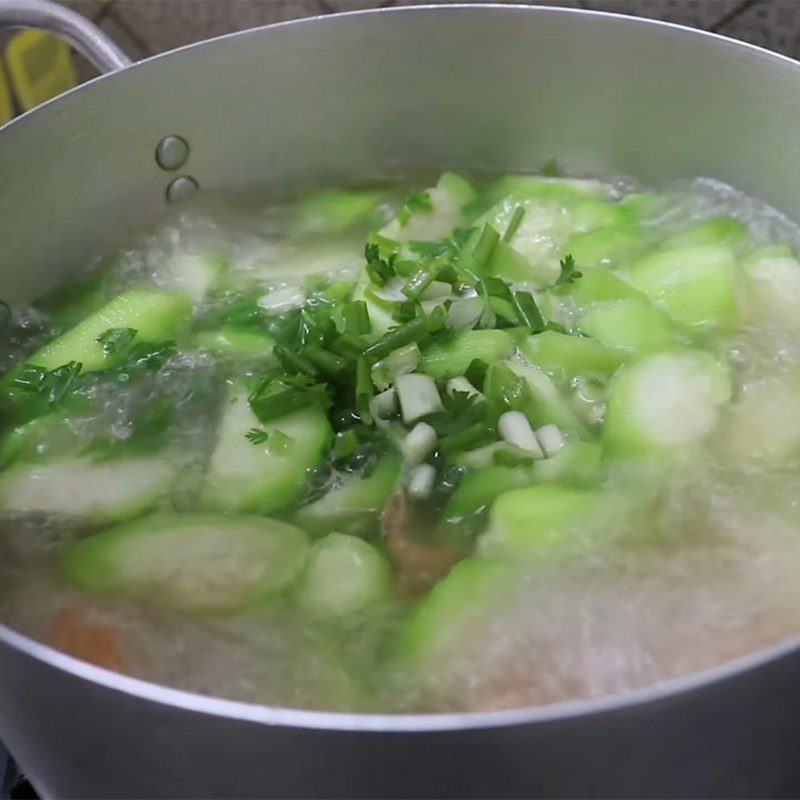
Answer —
(181, 187)
(172, 152)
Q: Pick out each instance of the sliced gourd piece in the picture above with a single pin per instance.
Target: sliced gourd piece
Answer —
(537, 186)
(597, 285)
(696, 285)
(451, 358)
(633, 324)
(91, 491)
(604, 246)
(764, 424)
(292, 262)
(667, 400)
(576, 463)
(589, 215)
(566, 357)
(773, 286)
(194, 275)
(354, 506)
(43, 437)
(235, 343)
(715, 231)
(154, 315)
(435, 214)
(538, 518)
(193, 562)
(345, 576)
(334, 211)
(268, 476)
(458, 606)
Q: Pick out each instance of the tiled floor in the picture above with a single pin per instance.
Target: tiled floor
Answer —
(145, 27)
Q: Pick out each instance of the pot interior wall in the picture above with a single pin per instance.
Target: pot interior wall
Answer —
(351, 97)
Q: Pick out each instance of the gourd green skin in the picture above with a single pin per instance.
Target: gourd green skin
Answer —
(344, 577)
(154, 315)
(445, 622)
(451, 359)
(39, 438)
(632, 324)
(234, 343)
(263, 478)
(715, 231)
(355, 506)
(604, 246)
(666, 401)
(94, 492)
(526, 521)
(566, 357)
(696, 285)
(598, 285)
(336, 210)
(194, 562)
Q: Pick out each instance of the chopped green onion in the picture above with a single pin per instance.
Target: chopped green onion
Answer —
(345, 446)
(528, 312)
(364, 388)
(406, 311)
(513, 426)
(461, 385)
(513, 223)
(484, 248)
(273, 399)
(325, 361)
(418, 443)
(383, 405)
(464, 313)
(293, 362)
(420, 485)
(418, 284)
(398, 362)
(418, 396)
(356, 317)
(550, 438)
(417, 203)
(463, 440)
(414, 331)
(436, 321)
(476, 372)
(349, 345)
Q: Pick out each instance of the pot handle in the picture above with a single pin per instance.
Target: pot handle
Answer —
(75, 29)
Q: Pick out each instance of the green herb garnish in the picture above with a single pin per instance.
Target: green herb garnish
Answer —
(115, 340)
(568, 271)
(418, 203)
(256, 436)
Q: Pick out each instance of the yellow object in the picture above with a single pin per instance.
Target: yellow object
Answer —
(40, 67)
(6, 106)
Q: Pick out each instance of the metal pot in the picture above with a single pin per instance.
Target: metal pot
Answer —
(338, 98)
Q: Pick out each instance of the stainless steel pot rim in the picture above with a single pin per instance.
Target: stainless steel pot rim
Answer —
(397, 723)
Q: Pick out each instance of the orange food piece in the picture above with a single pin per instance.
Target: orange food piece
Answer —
(78, 632)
